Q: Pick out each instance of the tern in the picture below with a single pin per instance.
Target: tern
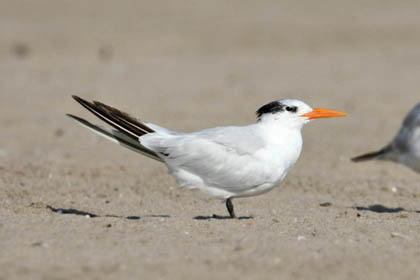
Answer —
(223, 162)
(405, 147)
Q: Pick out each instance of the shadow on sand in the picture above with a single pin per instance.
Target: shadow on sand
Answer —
(217, 217)
(377, 208)
(72, 211)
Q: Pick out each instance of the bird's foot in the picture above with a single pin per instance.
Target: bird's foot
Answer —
(229, 206)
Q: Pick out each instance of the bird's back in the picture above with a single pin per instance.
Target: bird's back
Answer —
(406, 144)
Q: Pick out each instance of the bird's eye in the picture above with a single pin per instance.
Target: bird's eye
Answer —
(291, 108)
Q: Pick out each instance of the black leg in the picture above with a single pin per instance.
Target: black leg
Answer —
(229, 207)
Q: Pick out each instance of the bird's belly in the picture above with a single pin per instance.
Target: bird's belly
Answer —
(254, 181)
(247, 177)
(273, 173)
(261, 189)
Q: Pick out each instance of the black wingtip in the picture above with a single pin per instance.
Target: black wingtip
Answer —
(116, 118)
(80, 100)
(75, 97)
(80, 120)
(74, 117)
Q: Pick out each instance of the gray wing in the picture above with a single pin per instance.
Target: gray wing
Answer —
(223, 157)
(408, 137)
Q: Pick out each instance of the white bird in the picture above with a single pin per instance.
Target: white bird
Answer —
(223, 162)
(405, 147)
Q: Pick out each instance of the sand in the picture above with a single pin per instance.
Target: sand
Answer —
(75, 206)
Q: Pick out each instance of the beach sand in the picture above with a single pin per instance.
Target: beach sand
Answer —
(75, 206)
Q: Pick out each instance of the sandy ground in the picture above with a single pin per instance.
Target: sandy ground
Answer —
(195, 64)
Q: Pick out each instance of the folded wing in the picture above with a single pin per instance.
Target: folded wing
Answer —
(224, 158)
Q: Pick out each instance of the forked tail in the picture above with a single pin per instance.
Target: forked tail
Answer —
(127, 130)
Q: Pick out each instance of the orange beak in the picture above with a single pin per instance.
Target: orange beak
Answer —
(318, 113)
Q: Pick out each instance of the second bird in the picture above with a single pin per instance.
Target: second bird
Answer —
(405, 147)
(223, 162)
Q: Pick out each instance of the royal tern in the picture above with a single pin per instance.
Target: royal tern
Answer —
(223, 162)
(405, 147)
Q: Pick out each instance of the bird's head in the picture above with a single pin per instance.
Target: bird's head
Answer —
(293, 112)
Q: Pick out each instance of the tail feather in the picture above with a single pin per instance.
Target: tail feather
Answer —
(127, 129)
(369, 156)
(117, 137)
(114, 117)
(129, 120)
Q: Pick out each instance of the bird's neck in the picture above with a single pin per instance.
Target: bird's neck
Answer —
(284, 140)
